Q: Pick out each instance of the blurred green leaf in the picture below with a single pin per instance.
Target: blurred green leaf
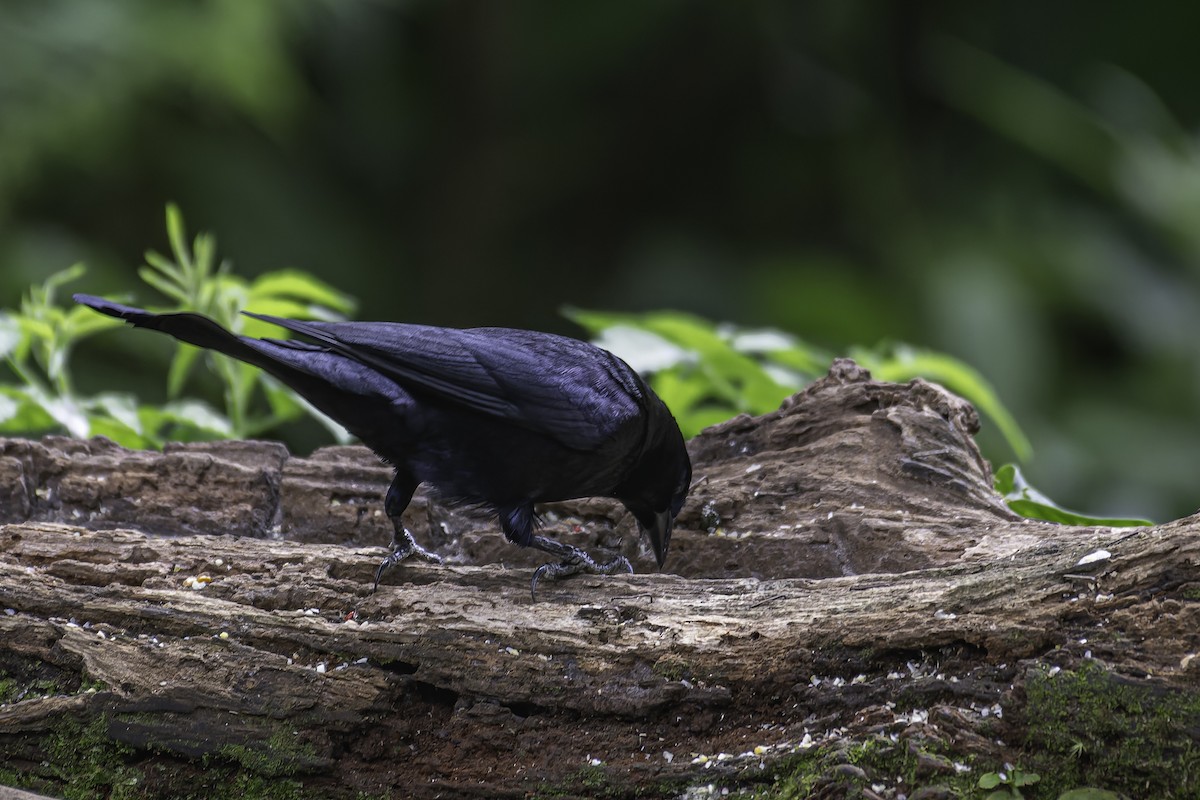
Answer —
(293, 285)
(24, 415)
(10, 334)
(181, 367)
(1089, 793)
(177, 236)
(163, 285)
(1032, 504)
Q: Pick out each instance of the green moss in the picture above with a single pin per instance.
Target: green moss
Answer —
(258, 787)
(672, 668)
(882, 760)
(8, 690)
(283, 755)
(90, 764)
(1089, 727)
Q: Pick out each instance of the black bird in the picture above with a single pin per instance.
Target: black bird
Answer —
(498, 417)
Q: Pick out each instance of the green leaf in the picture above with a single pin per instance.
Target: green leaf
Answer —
(119, 432)
(1089, 793)
(10, 334)
(65, 276)
(163, 285)
(177, 235)
(1005, 480)
(81, 322)
(678, 389)
(1020, 778)
(292, 284)
(697, 420)
(1032, 504)
(989, 780)
(27, 417)
(181, 367)
(9, 408)
(166, 267)
(119, 407)
(35, 329)
(66, 412)
(193, 415)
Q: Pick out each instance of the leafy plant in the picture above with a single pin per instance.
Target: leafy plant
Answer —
(196, 283)
(707, 373)
(1007, 784)
(36, 341)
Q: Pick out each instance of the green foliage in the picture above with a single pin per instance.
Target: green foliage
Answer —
(194, 282)
(1029, 502)
(707, 373)
(36, 341)
(1007, 784)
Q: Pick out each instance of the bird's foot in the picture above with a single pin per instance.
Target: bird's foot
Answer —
(574, 561)
(403, 546)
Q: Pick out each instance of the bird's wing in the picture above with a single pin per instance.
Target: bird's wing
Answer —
(578, 394)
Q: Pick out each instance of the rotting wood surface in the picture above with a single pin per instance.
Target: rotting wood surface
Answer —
(841, 569)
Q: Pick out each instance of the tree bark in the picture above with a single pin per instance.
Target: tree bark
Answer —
(848, 609)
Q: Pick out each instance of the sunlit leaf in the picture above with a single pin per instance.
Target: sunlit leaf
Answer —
(120, 407)
(65, 412)
(82, 322)
(167, 268)
(9, 408)
(177, 235)
(118, 431)
(28, 416)
(193, 413)
(10, 335)
(290, 284)
(163, 285)
(645, 351)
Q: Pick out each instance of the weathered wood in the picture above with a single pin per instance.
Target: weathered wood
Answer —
(842, 570)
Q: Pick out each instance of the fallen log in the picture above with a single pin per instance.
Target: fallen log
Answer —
(848, 610)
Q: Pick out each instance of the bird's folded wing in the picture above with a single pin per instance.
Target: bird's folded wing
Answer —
(569, 390)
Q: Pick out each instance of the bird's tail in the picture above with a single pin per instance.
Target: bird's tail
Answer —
(191, 328)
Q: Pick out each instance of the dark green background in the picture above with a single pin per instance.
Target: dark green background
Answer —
(1017, 184)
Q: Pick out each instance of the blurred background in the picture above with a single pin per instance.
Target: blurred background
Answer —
(1015, 184)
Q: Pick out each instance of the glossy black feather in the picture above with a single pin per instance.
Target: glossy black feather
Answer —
(502, 417)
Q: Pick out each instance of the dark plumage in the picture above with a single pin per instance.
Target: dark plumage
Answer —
(501, 417)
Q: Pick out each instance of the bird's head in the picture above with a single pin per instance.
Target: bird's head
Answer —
(654, 490)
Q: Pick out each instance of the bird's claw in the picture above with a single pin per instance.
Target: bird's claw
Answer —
(579, 562)
(403, 546)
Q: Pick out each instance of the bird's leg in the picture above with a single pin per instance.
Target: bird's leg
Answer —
(403, 546)
(403, 543)
(573, 561)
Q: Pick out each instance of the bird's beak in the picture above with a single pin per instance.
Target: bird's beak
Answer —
(660, 535)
